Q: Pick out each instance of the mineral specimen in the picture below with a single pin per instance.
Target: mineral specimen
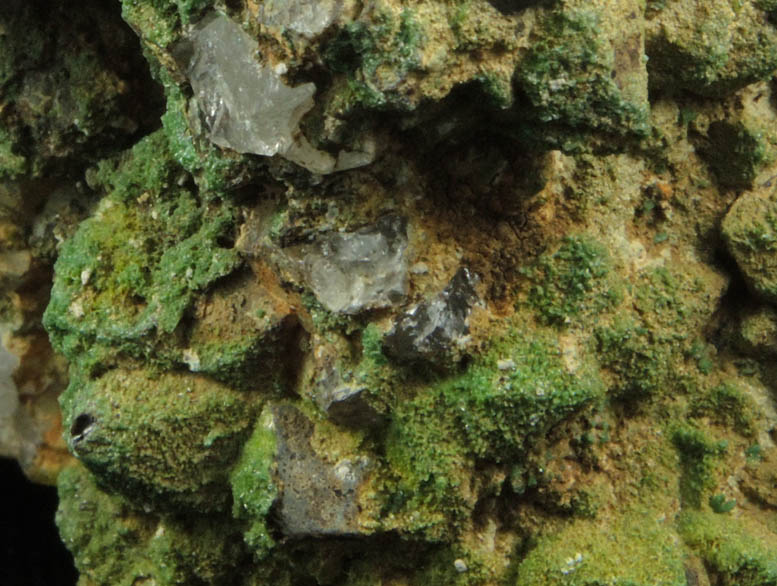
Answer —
(317, 498)
(750, 232)
(347, 405)
(14, 424)
(432, 331)
(366, 269)
(301, 16)
(496, 307)
(245, 103)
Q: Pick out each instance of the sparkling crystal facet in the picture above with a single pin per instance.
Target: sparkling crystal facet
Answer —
(246, 105)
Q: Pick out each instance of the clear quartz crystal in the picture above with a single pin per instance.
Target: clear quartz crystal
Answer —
(246, 105)
(301, 16)
(352, 271)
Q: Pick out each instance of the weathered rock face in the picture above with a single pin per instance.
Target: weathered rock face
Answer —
(317, 498)
(750, 231)
(423, 292)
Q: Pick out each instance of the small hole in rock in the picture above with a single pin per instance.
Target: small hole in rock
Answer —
(81, 426)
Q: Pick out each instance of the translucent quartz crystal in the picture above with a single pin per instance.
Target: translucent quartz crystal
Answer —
(246, 105)
(301, 16)
(429, 331)
(352, 271)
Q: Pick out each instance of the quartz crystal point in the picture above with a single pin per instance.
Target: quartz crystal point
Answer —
(430, 331)
(301, 16)
(245, 104)
(353, 271)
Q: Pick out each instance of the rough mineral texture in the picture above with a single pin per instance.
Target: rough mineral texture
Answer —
(420, 293)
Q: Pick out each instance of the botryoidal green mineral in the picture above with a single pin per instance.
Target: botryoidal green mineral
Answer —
(467, 292)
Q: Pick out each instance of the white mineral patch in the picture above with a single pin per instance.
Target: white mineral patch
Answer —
(506, 364)
(18, 434)
(246, 105)
(301, 16)
(191, 359)
(460, 565)
(77, 309)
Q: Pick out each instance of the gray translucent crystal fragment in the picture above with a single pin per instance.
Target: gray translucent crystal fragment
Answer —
(366, 269)
(301, 16)
(432, 331)
(245, 104)
(347, 404)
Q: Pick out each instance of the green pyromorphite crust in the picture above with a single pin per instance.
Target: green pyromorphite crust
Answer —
(750, 232)
(375, 54)
(699, 457)
(603, 424)
(173, 551)
(710, 48)
(133, 268)
(736, 153)
(486, 412)
(568, 75)
(253, 490)
(162, 440)
(638, 548)
(571, 281)
(159, 21)
(740, 552)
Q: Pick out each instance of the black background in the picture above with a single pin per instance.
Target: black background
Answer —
(31, 552)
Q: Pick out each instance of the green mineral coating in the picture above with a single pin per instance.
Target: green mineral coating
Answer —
(160, 20)
(699, 457)
(646, 346)
(738, 552)
(750, 233)
(736, 153)
(174, 551)
(253, 489)
(95, 525)
(757, 332)
(163, 440)
(728, 405)
(710, 49)
(372, 348)
(425, 448)
(629, 350)
(372, 52)
(500, 412)
(720, 504)
(498, 89)
(638, 548)
(564, 282)
(135, 266)
(482, 413)
(600, 427)
(573, 56)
